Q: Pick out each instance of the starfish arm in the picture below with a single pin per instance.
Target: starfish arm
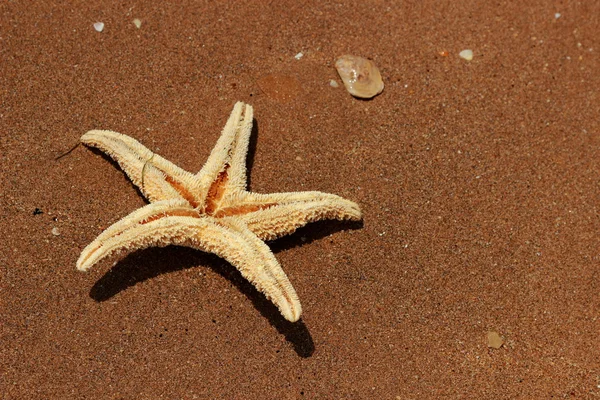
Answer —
(157, 178)
(255, 261)
(111, 236)
(162, 224)
(274, 215)
(226, 166)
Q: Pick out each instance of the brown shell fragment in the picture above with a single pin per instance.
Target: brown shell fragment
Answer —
(360, 76)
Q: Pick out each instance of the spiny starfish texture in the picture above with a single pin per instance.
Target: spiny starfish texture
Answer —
(212, 211)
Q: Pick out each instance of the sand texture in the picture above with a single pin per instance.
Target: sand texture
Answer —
(475, 273)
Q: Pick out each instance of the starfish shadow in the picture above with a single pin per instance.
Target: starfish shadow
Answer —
(149, 263)
(312, 232)
(251, 152)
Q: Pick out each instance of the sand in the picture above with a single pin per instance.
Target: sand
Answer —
(479, 182)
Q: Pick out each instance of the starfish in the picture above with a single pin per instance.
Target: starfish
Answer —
(212, 210)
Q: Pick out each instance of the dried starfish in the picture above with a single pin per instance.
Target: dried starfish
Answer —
(212, 211)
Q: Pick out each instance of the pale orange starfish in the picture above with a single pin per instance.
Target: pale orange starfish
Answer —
(212, 211)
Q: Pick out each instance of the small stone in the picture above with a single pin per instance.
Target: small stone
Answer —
(361, 77)
(494, 339)
(299, 56)
(55, 231)
(333, 83)
(138, 23)
(466, 54)
(99, 26)
(557, 15)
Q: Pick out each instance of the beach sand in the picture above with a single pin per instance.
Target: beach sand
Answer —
(474, 274)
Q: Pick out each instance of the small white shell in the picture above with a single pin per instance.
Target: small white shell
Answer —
(361, 77)
(99, 26)
(466, 54)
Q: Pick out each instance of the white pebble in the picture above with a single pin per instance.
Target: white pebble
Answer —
(299, 56)
(137, 22)
(466, 54)
(55, 231)
(333, 83)
(557, 15)
(99, 26)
